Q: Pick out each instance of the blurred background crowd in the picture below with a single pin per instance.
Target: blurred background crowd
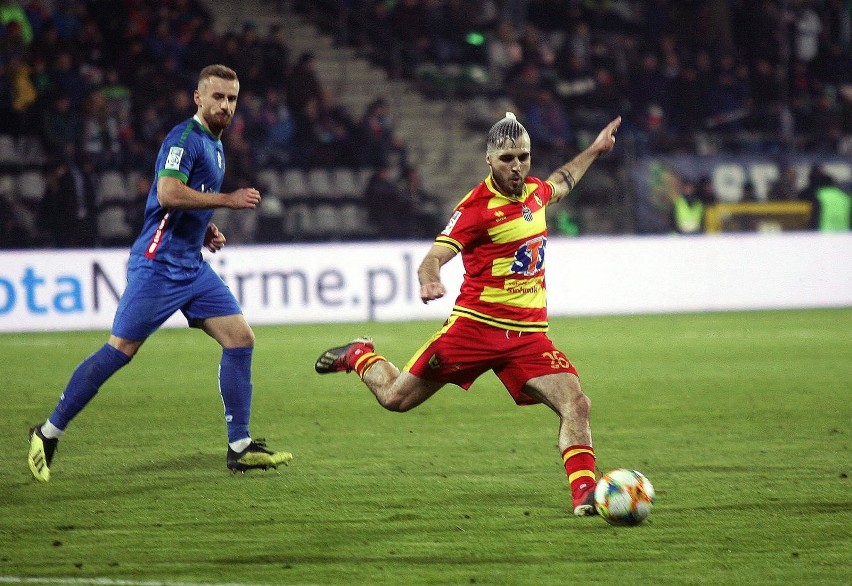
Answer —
(88, 89)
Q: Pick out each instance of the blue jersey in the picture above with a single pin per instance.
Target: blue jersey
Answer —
(173, 238)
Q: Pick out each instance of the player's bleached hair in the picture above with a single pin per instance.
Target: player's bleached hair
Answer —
(221, 71)
(507, 129)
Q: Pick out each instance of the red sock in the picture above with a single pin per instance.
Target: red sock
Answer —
(580, 467)
(365, 361)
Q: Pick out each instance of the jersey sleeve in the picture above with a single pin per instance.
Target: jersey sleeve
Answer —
(547, 190)
(465, 227)
(176, 158)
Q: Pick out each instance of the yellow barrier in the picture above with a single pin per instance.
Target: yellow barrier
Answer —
(757, 217)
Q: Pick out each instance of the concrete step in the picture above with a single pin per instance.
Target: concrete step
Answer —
(450, 157)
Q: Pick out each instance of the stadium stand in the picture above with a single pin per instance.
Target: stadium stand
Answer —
(695, 79)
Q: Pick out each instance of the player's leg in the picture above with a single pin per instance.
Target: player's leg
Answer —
(393, 389)
(563, 394)
(235, 381)
(84, 384)
(146, 303)
(217, 313)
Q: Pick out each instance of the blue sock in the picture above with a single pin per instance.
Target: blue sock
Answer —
(85, 382)
(235, 386)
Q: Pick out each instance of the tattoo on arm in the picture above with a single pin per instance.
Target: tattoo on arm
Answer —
(567, 177)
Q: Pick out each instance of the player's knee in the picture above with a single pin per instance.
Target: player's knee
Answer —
(246, 338)
(397, 403)
(582, 404)
(242, 337)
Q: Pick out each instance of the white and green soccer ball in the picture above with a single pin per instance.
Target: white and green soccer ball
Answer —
(624, 497)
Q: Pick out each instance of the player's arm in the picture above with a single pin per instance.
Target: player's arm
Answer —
(566, 177)
(174, 194)
(429, 272)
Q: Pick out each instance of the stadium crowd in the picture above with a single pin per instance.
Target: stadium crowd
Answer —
(97, 83)
(757, 73)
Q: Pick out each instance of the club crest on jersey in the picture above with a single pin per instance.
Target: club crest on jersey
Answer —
(529, 258)
(173, 160)
(527, 213)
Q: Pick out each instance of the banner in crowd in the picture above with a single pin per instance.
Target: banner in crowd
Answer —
(656, 180)
(75, 290)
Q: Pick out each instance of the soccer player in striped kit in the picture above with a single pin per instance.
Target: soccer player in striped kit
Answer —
(499, 321)
(166, 273)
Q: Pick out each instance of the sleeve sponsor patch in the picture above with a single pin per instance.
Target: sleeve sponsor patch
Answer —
(455, 218)
(173, 160)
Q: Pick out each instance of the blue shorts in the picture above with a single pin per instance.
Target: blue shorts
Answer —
(151, 298)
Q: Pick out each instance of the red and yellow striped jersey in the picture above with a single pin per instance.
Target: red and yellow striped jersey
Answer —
(502, 242)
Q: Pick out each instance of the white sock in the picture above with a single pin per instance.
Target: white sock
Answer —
(240, 445)
(50, 431)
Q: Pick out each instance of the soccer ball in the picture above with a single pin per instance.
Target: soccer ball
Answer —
(624, 497)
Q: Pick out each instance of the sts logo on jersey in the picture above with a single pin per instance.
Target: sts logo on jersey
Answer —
(529, 258)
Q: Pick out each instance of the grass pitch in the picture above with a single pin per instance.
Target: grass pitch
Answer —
(740, 420)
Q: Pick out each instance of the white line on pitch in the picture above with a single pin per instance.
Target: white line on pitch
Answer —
(108, 582)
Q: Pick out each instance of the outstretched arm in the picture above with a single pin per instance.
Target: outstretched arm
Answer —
(566, 177)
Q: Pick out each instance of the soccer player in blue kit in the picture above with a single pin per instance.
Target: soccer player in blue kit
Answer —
(166, 273)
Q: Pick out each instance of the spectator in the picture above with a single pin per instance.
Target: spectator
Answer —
(686, 103)
(388, 210)
(647, 86)
(12, 40)
(100, 140)
(23, 95)
(69, 212)
(204, 47)
(90, 47)
(425, 213)
(377, 138)
(504, 51)
(705, 191)
(831, 206)
(785, 188)
(68, 19)
(807, 28)
(817, 178)
(303, 83)
(547, 123)
(277, 148)
(11, 13)
(323, 135)
(275, 56)
(65, 77)
(13, 234)
(409, 23)
(687, 210)
(766, 94)
(61, 125)
(250, 58)
(824, 123)
(729, 100)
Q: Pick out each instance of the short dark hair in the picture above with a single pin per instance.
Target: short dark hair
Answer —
(221, 71)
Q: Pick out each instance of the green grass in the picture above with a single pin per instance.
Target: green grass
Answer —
(741, 421)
